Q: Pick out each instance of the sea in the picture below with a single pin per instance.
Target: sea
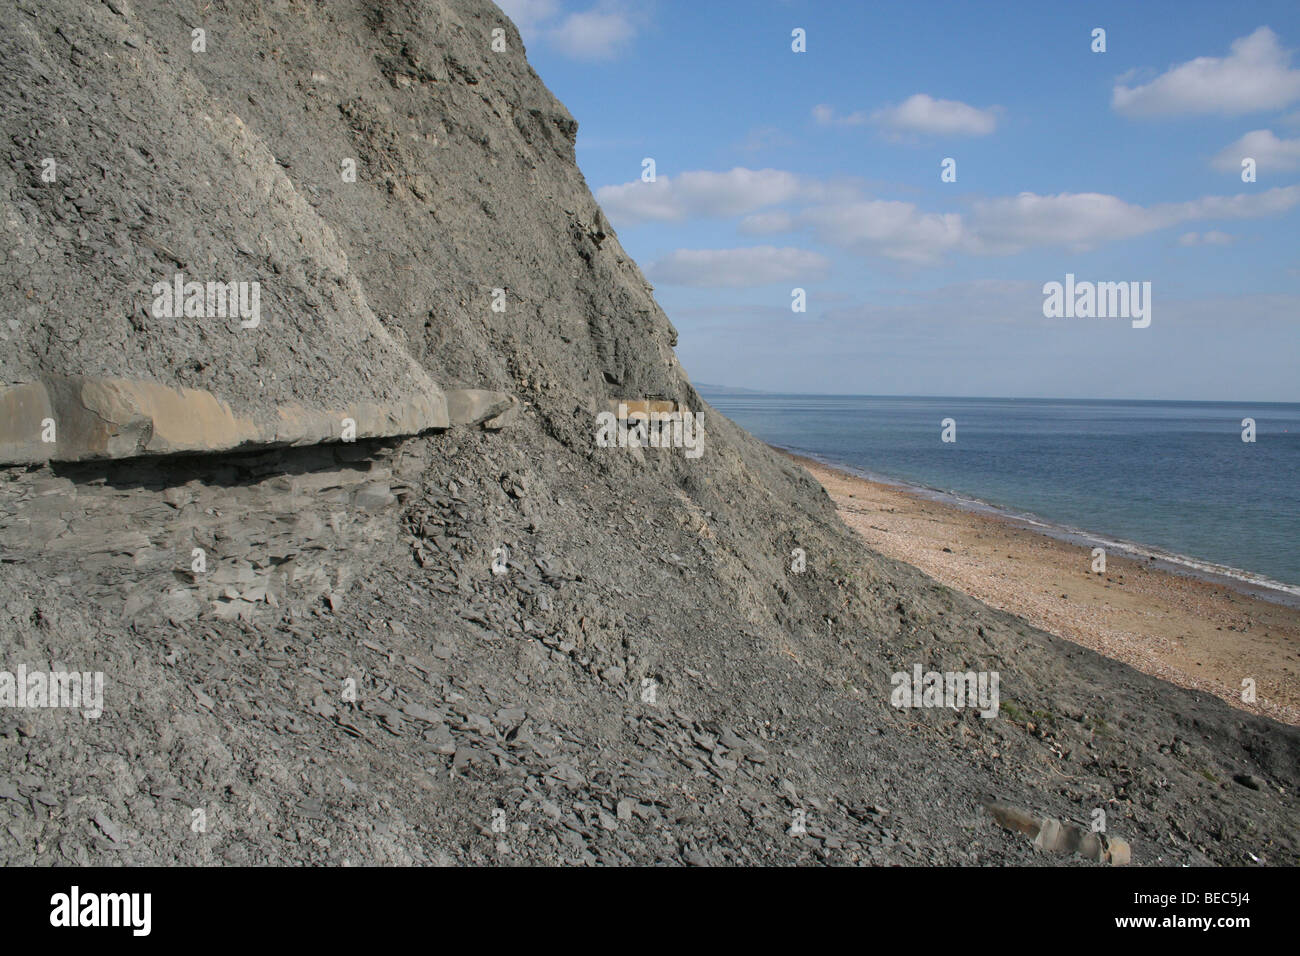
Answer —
(1171, 482)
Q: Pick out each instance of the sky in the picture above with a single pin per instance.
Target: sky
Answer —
(823, 170)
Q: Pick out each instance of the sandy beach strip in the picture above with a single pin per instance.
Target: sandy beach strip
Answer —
(1198, 634)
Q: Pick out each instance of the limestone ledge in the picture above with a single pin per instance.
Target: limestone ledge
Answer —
(91, 418)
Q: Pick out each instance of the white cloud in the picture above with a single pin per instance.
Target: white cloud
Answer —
(1081, 220)
(1254, 76)
(925, 115)
(895, 230)
(527, 14)
(1261, 145)
(1211, 238)
(917, 115)
(839, 215)
(703, 195)
(599, 33)
(1241, 206)
(738, 268)
(596, 34)
(1007, 225)
(637, 202)
(1077, 219)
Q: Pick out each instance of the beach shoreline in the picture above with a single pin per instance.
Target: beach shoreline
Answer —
(1188, 628)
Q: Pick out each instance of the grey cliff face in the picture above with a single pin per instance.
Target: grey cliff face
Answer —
(469, 632)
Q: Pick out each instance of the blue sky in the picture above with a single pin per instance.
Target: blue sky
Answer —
(821, 170)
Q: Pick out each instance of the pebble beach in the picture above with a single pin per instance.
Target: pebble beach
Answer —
(1195, 633)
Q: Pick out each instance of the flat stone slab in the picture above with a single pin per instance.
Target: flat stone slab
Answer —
(470, 406)
(86, 418)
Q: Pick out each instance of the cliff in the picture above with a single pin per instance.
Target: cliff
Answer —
(430, 640)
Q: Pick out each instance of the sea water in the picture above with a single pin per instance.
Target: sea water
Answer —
(1172, 480)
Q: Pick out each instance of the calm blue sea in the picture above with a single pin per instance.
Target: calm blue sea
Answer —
(1173, 479)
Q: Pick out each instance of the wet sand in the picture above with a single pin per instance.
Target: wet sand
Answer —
(1197, 634)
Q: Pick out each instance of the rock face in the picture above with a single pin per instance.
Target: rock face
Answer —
(464, 645)
(157, 182)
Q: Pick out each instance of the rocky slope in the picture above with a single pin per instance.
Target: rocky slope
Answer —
(465, 645)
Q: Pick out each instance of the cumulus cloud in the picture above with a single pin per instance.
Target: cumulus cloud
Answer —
(918, 115)
(1241, 206)
(888, 228)
(1267, 150)
(922, 114)
(527, 14)
(1081, 220)
(837, 214)
(1003, 226)
(1010, 223)
(600, 33)
(738, 268)
(704, 195)
(1255, 75)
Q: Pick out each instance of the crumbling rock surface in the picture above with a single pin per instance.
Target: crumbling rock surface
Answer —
(471, 646)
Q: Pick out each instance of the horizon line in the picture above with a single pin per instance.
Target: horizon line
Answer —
(1010, 398)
